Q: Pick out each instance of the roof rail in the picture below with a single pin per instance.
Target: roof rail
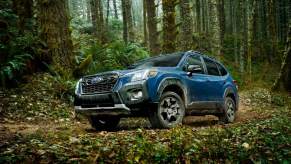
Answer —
(211, 57)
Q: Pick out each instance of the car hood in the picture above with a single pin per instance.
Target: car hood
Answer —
(123, 72)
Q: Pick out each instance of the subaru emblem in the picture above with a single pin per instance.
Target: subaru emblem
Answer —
(97, 80)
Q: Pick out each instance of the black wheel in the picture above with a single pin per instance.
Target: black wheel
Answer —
(104, 122)
(229, 112)
(169, 113)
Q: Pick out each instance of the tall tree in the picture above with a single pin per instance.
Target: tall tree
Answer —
(221, 20)
(152, 27)
(100, 24)
(128, 33)
(284, 80)
(54, 30)
(272, 29)
(88, 9)
(128, 4)
(98, 20)
(186, 25)
(115, 9)
(145, 29)
(107, 12)
(169, 26)
(125, 24)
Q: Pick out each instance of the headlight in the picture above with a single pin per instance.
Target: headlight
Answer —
(77, 86)
(143, 75)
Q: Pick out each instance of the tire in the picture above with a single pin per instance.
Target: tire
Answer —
(104, 122)
(169, 112)
(229, 111)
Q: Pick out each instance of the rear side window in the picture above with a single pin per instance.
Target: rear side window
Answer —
(195, 60)
(222, 70)
(211, 67)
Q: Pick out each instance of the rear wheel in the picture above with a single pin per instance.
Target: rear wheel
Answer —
(169, 113)
(229, 112)
(104, 122)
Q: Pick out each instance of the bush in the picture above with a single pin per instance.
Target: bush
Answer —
(116, 55)
(16, 48)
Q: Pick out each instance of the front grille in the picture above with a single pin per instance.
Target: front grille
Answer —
(99, 84)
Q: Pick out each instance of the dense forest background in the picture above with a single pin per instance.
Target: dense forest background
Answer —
(77, 37)
(47, 45)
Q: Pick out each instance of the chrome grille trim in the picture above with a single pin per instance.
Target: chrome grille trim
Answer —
(102, 83)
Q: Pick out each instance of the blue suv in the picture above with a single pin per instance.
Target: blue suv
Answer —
(164, 88)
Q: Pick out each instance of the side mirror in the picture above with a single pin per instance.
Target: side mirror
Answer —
(194, 69)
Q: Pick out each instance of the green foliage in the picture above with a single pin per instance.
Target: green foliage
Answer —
(15, 48)
(258, 141)
(115, 55)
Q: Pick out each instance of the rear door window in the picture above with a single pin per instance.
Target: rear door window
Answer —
(222, 70)
(211, 67)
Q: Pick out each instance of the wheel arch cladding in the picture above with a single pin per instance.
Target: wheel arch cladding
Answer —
(230, 93)
(174, 85)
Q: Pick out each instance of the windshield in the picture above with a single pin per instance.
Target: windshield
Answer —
(169, 60)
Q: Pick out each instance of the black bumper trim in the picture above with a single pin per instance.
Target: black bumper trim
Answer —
(117, 109)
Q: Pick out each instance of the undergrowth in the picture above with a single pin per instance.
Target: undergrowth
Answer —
(252, 142)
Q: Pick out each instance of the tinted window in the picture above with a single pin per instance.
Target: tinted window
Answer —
(171, 60)
(211, 67)
(223, 72)
(195, 60)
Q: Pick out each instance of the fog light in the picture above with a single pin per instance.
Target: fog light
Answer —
(136, 95)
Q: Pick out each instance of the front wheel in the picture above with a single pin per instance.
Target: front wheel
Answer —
(169, 113)
(104, 122)
(229, 111)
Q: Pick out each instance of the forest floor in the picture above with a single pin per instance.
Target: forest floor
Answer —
(36, 126)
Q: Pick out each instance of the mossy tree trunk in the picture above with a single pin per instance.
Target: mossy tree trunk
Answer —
(283, 82)
(54, 31)
(169, 26)
(186, 25)
(152, 27)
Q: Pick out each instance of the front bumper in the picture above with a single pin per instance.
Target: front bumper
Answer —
(112, 103)
(117, 109)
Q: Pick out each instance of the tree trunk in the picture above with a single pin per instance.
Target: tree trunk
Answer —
(88, 7)
(54, 30)
(198, 16)
(115, 9)
(169, 26)
(94, 14)
(152, 27)
(128, 4)
(125, 27)
(186, 26)
(252, 27)
(145, 30)
(100, 24)
(283, 82)
(108, 11)
(272, 30)
(221, 21)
